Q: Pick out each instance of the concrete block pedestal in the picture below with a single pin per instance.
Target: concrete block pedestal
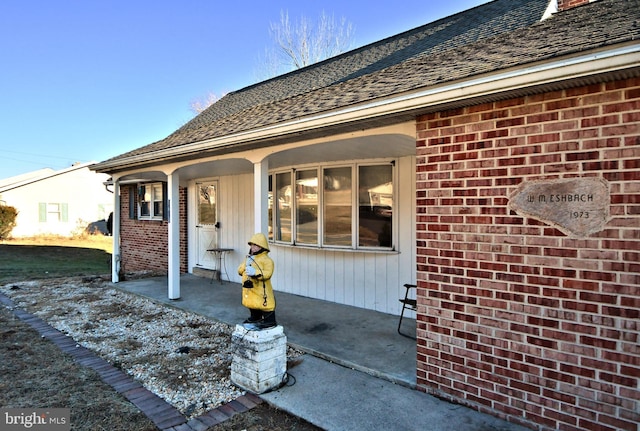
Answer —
(259, 361)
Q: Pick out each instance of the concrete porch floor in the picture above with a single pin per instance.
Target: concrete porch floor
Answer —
(361, 339)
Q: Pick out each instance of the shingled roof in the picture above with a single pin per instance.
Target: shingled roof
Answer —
(495, 36)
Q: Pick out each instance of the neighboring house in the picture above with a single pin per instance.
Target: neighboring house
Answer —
(60, 202)
(403, 161)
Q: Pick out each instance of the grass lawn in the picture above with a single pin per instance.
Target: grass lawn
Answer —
(49, 257)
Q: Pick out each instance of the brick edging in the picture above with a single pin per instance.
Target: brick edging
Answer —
(165, 416)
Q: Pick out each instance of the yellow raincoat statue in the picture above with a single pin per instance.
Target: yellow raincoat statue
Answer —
(257, 294)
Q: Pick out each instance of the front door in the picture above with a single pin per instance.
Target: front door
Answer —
(206, 222)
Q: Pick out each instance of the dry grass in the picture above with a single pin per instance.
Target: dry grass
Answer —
(98, 242)
(44, 377)
(36, 374)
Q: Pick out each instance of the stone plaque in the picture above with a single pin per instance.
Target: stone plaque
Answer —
(578, 207)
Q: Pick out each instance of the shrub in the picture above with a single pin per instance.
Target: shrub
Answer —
(8, 217)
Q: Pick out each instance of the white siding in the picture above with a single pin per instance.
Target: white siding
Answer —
(366, 279)
(80, 190)
(236, 218)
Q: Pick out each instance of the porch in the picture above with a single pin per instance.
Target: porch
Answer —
(356, 338)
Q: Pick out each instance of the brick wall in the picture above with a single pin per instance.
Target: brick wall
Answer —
(144, 243)
(568, 4)
(516, 318)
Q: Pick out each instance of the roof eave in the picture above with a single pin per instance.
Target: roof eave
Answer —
(514, 81)
(46, 176)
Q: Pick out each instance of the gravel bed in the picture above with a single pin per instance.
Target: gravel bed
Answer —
(182, 357)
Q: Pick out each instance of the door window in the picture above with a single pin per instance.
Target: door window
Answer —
(207, 204)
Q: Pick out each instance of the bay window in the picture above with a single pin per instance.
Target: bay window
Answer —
(338, 206)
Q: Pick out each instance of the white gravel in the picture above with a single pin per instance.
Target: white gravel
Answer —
(182, 357)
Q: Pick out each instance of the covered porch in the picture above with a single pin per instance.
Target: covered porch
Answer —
(357, 338)
(217, 200)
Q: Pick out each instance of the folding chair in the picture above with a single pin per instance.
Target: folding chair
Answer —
(407, 303)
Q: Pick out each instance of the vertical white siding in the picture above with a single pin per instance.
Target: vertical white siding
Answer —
(236, 218)
(372, 280)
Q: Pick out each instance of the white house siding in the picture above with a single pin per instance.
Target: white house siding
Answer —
(365, 279)
(236, 218)
(235, 215)
(79, 192)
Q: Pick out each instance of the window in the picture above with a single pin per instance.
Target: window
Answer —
(333, 206)
(337, 207)
(282, 231)
(375, 205)
(207, 214)
(53, 212)
(307, 206)
(150, 201)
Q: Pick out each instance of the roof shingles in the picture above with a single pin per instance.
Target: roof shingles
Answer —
(499, 35)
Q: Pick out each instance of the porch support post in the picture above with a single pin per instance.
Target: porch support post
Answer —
(261, 196)
(115, 233)
(173, 181)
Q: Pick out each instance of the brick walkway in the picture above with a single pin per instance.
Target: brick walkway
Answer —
(164, 415)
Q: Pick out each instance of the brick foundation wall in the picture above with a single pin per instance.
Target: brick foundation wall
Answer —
(144, 243)
(516, 318)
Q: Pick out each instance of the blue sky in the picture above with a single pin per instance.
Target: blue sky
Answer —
(84, 80)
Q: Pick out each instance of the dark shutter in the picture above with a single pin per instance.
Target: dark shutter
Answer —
(165, 202)
(132, 202)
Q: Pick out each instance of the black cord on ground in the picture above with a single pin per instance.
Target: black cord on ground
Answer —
(289, 378)
(284, 383)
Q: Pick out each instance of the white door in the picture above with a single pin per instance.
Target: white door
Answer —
(206, 223)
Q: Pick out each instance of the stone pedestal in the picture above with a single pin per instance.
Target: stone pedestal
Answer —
(260, 358)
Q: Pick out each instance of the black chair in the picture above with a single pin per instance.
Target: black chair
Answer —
(407, 303)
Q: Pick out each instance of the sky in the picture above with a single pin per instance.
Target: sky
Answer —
(87, 80)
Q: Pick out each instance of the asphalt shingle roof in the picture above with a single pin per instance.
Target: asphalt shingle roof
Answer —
(490, 37)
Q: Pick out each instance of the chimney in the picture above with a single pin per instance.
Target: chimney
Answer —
(568, 4)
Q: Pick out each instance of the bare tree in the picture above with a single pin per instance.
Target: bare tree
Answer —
(295, 45)
(302, 43)
(199, 105)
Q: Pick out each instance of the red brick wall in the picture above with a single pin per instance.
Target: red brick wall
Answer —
(144, 243)
(568, 4)
(515, 318)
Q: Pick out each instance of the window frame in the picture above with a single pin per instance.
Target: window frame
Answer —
(47, 215)
(296, 210)
(161, 203)
(355, 215)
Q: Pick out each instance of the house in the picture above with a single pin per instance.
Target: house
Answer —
(62, 202)
(491, 157)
